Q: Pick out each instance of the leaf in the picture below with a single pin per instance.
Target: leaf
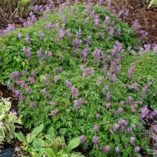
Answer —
(49, 152)
(64, 155)
(51, 132)
(35, 132)
(20, 137)
(73, 144)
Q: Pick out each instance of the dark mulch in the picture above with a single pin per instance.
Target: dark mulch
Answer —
(138, 11)
(6, 93)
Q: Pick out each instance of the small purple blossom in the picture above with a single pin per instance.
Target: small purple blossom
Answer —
(53, 113)
(132, 140)
(97, 54)
(131, 70)
(49, 25)
(28, 40)
(96, 20)
(95, 140)
(68, 84)
(76, 43)
(96, 128)
(31, 80)
(62, 33)
(74, 92)
(19, 35)
(137, 149)
(117, 150)
(82, 139)
(84, 53)
(15, 75)
(106, 149)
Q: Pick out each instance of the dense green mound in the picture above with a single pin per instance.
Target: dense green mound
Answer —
(72, 70)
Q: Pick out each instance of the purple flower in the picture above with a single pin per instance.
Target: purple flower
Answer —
(84, 53)
(106, 149)
(28, 90)
(117, 150)
(95, 140)
(28, 40)
(31, 104)
(68, 84)
(53, 113)
(116, 127)
(87, 72)
(27, 52)
(97, 54)
(45, 93)
(132, 140)
(96, 20)
(137, 149)
(96, 128)
(49, 25)
(82, 139)
(114, 78)
(108, 96)
(89, 40)
(76, 43)
(15, 75)
(22, 84)
(108, 105)
(62, 33)
(46, 79)
(107, 20)
(97, 116)
(145, 112)
(74, 92)
(131, 70)
(31, 80)
(136, 25)
(17, 93)
(123, 122)
(40, 53)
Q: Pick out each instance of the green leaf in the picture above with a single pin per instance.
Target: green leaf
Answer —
(35, 132)
(49, 152)
(64, 155)
(20, 137)
(51, 134)
(73, 144)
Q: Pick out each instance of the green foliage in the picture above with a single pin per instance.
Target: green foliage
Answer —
(38, 144)
(65, 64)
(152, 3)
(8, 121)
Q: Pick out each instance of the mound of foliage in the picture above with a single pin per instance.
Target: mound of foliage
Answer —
(75, 70)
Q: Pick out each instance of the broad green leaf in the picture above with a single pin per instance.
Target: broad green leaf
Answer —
(20, 137)
(51, 132)
(73, 144)
(35, 132)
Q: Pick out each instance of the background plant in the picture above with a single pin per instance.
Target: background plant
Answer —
(8, 121)
(39, 144)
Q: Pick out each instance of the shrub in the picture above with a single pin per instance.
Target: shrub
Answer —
(72, 70)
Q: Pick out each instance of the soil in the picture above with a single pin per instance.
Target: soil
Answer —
(147, 17)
